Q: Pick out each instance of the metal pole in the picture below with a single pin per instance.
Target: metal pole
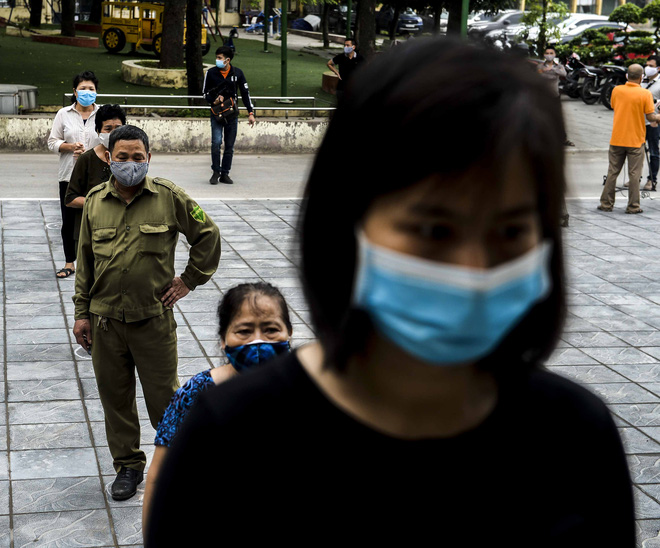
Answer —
(285, 24)
(349, 7)
(266, 12)
(464, 17)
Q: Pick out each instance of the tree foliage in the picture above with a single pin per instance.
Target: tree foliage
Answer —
(540, 14)
(652, 11)
(628, 14)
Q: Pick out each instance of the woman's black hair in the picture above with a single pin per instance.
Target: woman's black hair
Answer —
(109, 112)
(128, 133)
(233, 300)
(430, 107)
(86, 76)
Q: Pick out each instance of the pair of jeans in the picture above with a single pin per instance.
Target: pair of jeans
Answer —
(230, 129)
(652, 138)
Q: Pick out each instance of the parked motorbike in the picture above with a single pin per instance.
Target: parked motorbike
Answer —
(594, 79)
(615, 77)
(569, 85)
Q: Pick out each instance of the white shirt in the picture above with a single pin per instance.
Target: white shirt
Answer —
(69, 127)
(654, 87)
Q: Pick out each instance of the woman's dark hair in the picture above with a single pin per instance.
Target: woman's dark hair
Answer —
(86, 76)
(231, 303)
(431, 107)
(226, 51)
(128, 133)
(109, 112)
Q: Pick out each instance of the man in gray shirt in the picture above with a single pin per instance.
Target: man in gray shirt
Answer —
(652, 83)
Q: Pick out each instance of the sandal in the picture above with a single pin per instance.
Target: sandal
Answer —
(66, 271)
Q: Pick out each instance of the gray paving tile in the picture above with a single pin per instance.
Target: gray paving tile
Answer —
(592, 339)
(639, 339)
(37, 336)
(616, 356)
(78, 528)
(636, 442)
(623, 393)
(4, 498)
(588, 373)
(57, 495)
(46, 412)
(128, 524)
(43, 390)
(49, 436)
(53, 463)
(5, 532)
(17, 371)
(569, 356)
(646, 507)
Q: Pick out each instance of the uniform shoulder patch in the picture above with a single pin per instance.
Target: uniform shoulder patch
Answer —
(198, 214)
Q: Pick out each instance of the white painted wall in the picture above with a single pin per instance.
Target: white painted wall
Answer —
(180, 135)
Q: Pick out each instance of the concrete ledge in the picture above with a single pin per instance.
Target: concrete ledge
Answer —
(88, 27)
(154, 77)
(77, 41)
(182, 135)
(329, 82)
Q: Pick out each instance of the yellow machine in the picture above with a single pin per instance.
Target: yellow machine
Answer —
(138, 23)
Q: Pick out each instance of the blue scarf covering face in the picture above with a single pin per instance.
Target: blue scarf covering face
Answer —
(255, 353)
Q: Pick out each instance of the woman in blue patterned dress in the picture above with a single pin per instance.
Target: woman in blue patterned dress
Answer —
(254, 326)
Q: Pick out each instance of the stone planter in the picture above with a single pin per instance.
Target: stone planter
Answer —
(153, 76)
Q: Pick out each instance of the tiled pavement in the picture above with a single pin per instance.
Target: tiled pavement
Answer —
(54, 462)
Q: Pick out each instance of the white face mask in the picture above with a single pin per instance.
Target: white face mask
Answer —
(105, 139)
(650, 71)
(549, 58)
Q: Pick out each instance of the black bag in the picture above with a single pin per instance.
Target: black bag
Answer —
(225, 111)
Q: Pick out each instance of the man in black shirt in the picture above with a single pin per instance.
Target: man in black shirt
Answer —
(221, 82)
(346, 62)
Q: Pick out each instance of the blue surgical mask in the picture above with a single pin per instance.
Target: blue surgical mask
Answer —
(446, 314)
(86, 98)
(257, 352)
(129, 173)
(348, 50)
(220, 64)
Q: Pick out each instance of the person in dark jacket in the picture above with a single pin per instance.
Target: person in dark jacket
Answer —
(221, 82)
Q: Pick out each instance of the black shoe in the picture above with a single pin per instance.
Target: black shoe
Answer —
(214, 178)
(224, 178)
(125, 484)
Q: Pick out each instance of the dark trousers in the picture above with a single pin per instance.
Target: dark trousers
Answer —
(120, 349)
(652, 138)
(68, 223)
(229, 131)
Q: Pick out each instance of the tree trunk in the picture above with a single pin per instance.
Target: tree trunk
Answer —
(324, 25)
(395, 21)
(454, 21)
(68, 17)
(437, 18)
(171, 55)
(366, 27)
(96, 11)
(36, 7)
(194, 64)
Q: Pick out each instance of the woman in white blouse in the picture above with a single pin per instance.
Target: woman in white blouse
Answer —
(73, 133)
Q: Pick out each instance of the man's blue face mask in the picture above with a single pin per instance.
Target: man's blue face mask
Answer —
(255, 353)
(446, 314)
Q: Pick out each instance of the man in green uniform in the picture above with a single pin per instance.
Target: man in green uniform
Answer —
(126, 289)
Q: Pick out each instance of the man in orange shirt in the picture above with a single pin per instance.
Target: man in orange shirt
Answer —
(632, 104)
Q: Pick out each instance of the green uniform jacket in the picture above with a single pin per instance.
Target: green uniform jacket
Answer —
(126, 252)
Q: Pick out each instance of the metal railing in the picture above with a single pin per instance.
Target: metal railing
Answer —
(289, 101)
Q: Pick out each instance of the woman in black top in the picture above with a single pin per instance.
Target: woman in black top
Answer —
(434, 276)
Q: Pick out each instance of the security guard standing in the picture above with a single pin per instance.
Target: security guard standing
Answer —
(126, 289)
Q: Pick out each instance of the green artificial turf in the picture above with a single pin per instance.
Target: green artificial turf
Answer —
(51, 68)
